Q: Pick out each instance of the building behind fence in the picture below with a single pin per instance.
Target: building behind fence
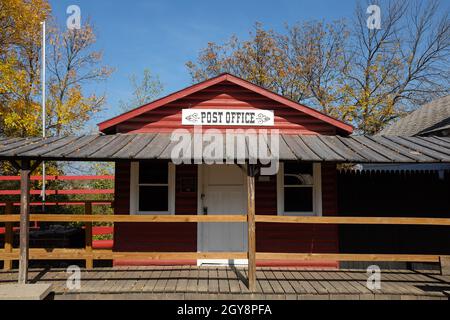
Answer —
(394, 194)
(64, 194)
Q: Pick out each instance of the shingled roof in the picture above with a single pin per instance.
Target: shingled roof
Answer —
(430, 119)
(312, 148)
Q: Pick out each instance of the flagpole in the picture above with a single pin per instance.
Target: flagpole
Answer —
(43, 110)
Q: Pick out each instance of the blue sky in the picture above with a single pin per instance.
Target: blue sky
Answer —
(164, 35)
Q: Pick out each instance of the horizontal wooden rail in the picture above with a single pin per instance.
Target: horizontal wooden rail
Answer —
(229, 218)
(89, 255)
(81, 254)
(347, 257)
(125, 218)
(355, 220)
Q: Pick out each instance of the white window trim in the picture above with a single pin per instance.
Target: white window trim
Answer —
(317, 193)
(134, 191)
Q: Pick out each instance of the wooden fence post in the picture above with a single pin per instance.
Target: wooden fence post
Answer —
(25, 171)
(251, 227)
(9, 236)
(444, 262)
(88, 235)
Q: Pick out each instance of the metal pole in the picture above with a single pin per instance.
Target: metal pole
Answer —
(44, 111)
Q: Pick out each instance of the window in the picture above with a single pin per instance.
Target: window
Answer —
(152, 188)
(299, 189)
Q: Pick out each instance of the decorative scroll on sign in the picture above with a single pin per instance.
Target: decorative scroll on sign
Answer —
(223, 117)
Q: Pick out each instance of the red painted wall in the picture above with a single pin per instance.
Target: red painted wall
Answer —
(297, 238)
(224, 96)
(270, 237)
(155, 237)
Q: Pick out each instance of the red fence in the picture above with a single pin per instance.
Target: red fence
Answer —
(97, 230)
(59, 192)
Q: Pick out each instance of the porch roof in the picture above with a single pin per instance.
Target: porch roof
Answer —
(146, 146)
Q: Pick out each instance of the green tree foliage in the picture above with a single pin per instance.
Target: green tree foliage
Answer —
(145, 90)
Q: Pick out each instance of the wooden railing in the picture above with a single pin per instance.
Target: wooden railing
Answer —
(9, 219)
(8, 254)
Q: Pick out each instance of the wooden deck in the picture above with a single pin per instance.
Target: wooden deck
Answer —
(184, 282)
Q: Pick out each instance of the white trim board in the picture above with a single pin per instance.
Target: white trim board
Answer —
(222, 262)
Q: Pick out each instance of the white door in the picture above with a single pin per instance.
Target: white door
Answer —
(224, 193)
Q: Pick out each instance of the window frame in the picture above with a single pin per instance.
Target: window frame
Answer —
(316, 191)
(134, 190)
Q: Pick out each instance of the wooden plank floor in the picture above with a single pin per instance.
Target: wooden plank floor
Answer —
(185, 282)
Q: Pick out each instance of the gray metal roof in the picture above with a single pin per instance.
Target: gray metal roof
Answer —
(356, 149)
(428, 119)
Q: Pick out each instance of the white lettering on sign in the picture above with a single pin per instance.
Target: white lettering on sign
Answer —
(223, 117)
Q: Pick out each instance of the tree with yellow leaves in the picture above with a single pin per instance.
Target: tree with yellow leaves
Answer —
(72, 64)
(394, 69)
(367, 77)
(303, 64)
(20, 40)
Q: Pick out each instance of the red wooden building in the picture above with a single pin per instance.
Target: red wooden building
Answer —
(172, 202)
(220, 189)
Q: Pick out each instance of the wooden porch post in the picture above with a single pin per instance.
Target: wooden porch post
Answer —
(251, 227)
(25, 170)
(444, 262)
(9, 236)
